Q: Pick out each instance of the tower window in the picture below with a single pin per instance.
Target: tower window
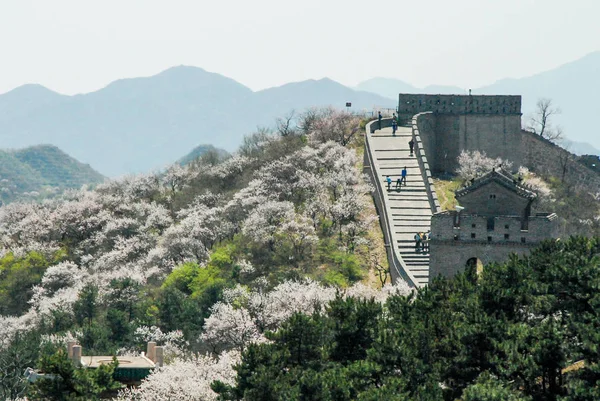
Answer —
(492, 196)
(472, 235)
(506, 226)
(523, 239)
(473, 225)
(489, 239)
(506, 237)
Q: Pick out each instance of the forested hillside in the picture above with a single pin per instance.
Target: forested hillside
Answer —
(263, 276)
(521, 331)
(41, 171)
(204, 258)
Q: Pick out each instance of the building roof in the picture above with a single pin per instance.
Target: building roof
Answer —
(501, 177)
(125, 362)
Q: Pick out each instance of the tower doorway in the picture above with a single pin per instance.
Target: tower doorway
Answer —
(475, 265)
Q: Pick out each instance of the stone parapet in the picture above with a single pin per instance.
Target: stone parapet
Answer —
(547, 158)
(411, 104)
(421, 155)
(398, 269)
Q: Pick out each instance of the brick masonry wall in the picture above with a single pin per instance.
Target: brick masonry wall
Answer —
(421, 144)
(502, 202)
(445, 136)
(445, 127)
(474, 229)
(411, 104)
(447, 260)
(546, 158)
(496, 135)
(451, 247)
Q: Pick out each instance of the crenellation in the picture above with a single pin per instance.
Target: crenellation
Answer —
(494, 220)
(498, 220)
(411, 104)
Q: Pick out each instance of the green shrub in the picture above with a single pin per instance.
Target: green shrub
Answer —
(349, 266)
(333, 277)
(18, 276)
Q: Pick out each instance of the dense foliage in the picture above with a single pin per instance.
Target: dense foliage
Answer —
(180, 257)
(256, 275)
(509, 334)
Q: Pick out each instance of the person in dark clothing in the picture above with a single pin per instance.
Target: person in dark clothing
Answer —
(394, 127)
(417, 242)
(403, 179)
(411, 145)
(379, 118)
(398, 183)
(389, 182)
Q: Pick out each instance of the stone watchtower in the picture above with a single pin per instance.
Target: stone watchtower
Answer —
(456, 123)
(494, 220)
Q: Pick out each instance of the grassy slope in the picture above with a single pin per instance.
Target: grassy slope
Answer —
(445, 191)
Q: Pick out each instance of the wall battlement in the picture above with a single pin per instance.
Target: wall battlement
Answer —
(446, 125)
(447, 226)
(411, 104)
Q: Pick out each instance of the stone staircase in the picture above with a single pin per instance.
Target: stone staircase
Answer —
(408, 210)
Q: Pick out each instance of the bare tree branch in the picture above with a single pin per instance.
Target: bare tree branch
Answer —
(285, 126)
(541, 121)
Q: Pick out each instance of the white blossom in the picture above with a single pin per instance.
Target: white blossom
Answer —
(185, 379)
(475, 164)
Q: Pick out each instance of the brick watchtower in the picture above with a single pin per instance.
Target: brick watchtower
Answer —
(493, 221)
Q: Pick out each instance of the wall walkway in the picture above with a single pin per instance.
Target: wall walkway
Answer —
(402, 212)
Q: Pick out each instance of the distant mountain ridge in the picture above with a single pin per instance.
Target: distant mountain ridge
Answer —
(141, 124)
(573, 87)
(390, 87)
(41, 170)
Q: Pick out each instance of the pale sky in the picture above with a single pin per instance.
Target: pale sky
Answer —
(78, 46)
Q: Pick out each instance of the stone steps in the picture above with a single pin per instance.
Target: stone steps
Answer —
(407, 207)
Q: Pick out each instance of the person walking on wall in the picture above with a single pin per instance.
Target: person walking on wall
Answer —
(389, 182)
(411, 145)
(398, 183)
(394, 126)
(426, 241)
(403, 179)
(417, 242)
(379, 118)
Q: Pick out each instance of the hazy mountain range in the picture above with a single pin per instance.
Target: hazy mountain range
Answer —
(140, 124)
(573, 87)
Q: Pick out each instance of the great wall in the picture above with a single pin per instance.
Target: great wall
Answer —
(442, 126)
